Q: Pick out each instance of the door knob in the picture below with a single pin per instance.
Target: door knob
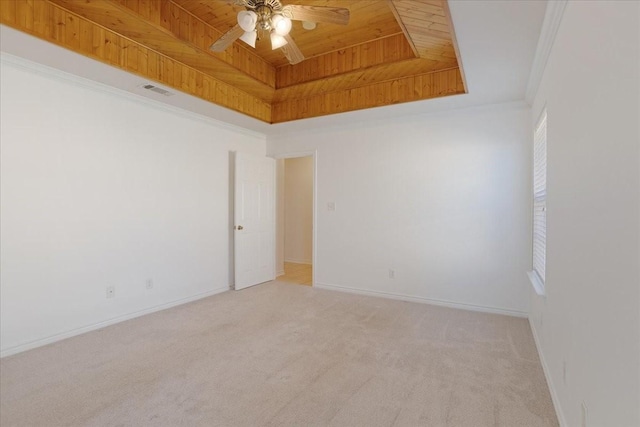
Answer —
(240, 227)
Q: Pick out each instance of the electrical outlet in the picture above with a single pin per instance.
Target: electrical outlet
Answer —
(149, 284)
(392, 273)
(583, 410)
(564, 372)
(111, 291)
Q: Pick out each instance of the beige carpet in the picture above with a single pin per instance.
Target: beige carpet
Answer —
(285, 355)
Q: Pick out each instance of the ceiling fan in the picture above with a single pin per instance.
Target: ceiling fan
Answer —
(271, 17)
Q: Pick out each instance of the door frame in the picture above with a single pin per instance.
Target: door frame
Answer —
(314, 155)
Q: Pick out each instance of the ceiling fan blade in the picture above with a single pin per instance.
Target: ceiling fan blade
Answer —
(227, 39)
(291, 51)
(329, 15)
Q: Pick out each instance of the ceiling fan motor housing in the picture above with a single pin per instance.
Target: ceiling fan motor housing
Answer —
(274, 5)
(264, 17)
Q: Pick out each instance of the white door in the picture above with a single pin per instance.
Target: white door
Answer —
(255, 220)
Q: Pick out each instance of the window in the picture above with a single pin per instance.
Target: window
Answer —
(537, 276)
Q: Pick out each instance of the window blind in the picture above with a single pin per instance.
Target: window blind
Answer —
(540, 199)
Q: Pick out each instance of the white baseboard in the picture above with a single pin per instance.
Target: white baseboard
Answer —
(298, 261)
(547, 375)
(78, 331)
(402, 297)
(280, 273)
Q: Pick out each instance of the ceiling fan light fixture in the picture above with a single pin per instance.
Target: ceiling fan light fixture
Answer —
(249, 37)
(281, 25)
(277, 41)
(247, 20)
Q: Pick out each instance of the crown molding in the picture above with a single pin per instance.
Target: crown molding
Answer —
(294, 129)
(550, 25)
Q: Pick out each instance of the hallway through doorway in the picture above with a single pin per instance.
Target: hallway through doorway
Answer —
(299, 274)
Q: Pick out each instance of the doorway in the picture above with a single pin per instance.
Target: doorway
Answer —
(295, 226)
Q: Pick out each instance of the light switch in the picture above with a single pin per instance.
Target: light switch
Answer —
(331, 206)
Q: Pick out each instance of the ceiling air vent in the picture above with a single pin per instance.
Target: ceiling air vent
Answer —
(156, 89)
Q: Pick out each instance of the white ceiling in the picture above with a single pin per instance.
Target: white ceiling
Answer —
(497, 41)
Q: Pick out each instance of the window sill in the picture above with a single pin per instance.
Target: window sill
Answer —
(537, 283)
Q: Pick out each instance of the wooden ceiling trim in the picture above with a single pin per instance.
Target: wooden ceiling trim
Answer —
(66, 29)
(347, 46)
(429, 26)
(366, 55)
(441, 55)
(362, 78)
(407, 89)
(125, 22)
(404, 29)
(219, 14)
(421, 8)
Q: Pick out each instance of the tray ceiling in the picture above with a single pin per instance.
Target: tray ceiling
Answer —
(390, 52)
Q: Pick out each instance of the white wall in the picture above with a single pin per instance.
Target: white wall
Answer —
(442, 199)
(590, 317)
(298, 210)
(99, 189)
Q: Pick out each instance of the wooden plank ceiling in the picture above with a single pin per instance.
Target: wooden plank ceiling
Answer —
(392, 51)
